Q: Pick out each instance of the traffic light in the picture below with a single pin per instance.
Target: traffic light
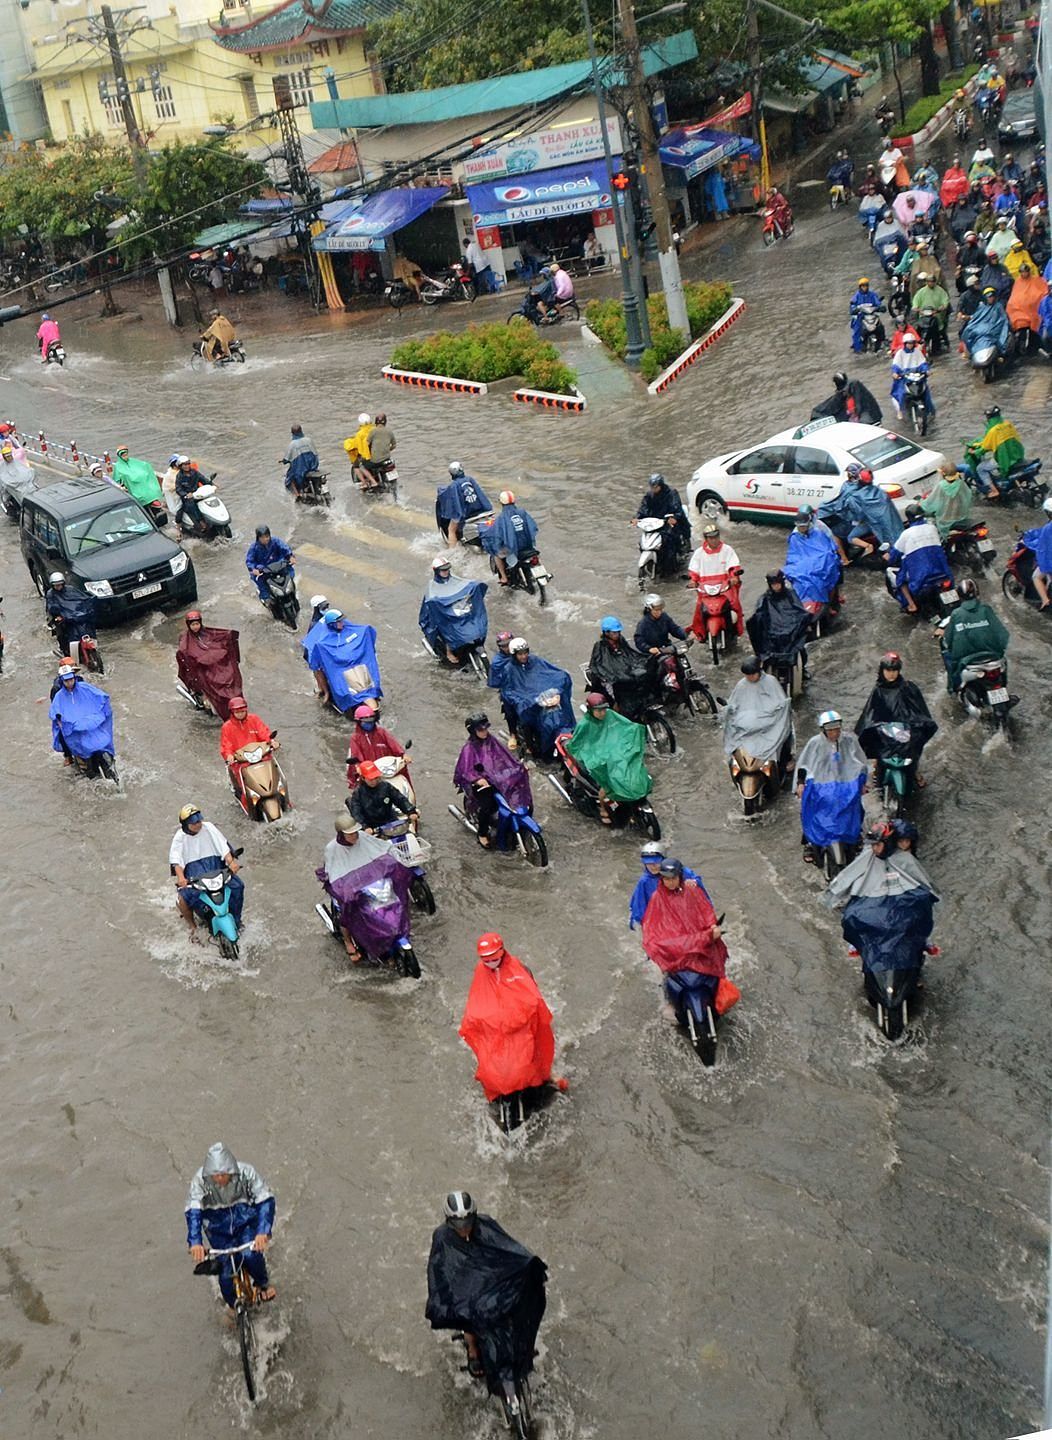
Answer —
(622, 181)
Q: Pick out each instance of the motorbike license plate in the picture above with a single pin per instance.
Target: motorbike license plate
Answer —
(948, 597)
(998, 696)
(145, 590)
(388, 289)
(986, 547)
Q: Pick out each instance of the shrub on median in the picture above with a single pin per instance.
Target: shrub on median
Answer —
(921, 111)
(706, 302)
(487, 353)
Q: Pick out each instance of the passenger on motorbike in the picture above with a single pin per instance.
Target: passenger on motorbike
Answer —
(862, 298)
(680, 928)
(651, 857)
(995, 277)
(972, 632)
(266, 550)
(812, 562)
(536, 698)
(622, 673)
(501, 659)
(894, 700)
(230, 1204)
(376, 802)
(661, 502)
(369, 887)
(242, 731)
(779, 624)
(949, 502)
(482, 1282)
(188, 481)
(1042, 545)
(483, 767)
(916, 561)
(831, 775)
(199, 848)
(207, 662)
(889, 241)
(909, 361)
(300, 458)
(656, 629)
(70, 613)
(509, 536)
(445, 629)
(138, 477)
(715, 562)
(369, 741)
(81, 718)
(1002, 449)
(758, 716)
(507, 1024)
(611, 748)
(458, 499)
(359, 454)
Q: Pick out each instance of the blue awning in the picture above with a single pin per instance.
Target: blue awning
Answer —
(366, 226)
(541, 195)
(695, 149)
(263, 206)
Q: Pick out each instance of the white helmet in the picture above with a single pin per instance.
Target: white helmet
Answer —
(365, 419)
(455, 468)
(1046, 505)
(828, 718)
(319, 600)
(56, 578)
(182, 459)
(649, 601)
(518, 644)
(442, 562)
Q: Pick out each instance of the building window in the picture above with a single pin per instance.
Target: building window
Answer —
(164, 101)
(234, 4)
(300, 87)
(248, 91)
(114, 112)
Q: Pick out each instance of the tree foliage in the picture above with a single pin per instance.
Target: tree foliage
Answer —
(186, 189)
(51, 193)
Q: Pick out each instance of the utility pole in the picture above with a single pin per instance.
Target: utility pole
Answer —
(657, 212)
(755, 57)
(123, 91)
(300, 182)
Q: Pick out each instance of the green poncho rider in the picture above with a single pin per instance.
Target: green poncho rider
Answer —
(610, 748)
(138, 477)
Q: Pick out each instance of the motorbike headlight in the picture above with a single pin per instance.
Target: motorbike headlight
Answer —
(179, 562)
(101, 589)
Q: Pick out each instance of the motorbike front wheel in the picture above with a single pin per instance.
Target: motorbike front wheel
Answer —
(769, 237)
(700, 699)
(408, 964)
(421, 896)
(648, 822)
(227, 948)
(534, 848)
(660, 733)
(702, 1037)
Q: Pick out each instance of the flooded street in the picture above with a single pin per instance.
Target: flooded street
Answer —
(824, 1236)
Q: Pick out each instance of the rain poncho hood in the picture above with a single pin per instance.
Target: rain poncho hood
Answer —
(812, 564)
(831, 805)
(459, 500)
(522, 685)
(371, 887)
(677, 932)
(86, 722)
(511, 533)
(509, 1027)
(491, 1286)
(219, 1161)
(923, 201)
(888, 909)
(208, 665)
(757, 719)
(347, 659)
(778, 626)
(949, 504)
(493, 761)
(454, 613)
(139, 478)
(612, 750)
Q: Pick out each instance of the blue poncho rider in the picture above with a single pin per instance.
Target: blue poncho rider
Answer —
(452, 612)
(199, 848)
(265, 550)
(917, 562)
(651, 856)
(458, 499)
(661, 502)
(864, 297)
(909, 360)
(300, 459)
(536, 698)
(81, 717)
(230, 1204)
(509, 536)
(70, 613)
(831, 773)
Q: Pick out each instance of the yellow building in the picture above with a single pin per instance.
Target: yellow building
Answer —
(187, 69)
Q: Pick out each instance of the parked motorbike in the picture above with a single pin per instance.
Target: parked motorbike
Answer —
(401, 956)
(455, 284)
(214, 515)
(578, 789)
(397, 294)
(759, 781)
(970, 545)
(915, 402)
(213, 888)
(414, 853)
(719, 618)
(282, 600)
(984, 690)
(235, 357)
(55, 353)
(680, 684)
(261, 789)
(516, 829)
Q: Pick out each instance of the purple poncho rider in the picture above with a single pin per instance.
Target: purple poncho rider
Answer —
(484, 767)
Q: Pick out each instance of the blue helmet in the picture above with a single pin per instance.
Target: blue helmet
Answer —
(44, 317)
(610, 624)
(331, 616)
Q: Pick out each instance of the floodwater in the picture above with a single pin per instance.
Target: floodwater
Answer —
(823, 1236)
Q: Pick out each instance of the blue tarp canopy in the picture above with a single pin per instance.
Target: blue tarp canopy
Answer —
(541, 195)
(265, 206)
(366, 226)
(695, 149)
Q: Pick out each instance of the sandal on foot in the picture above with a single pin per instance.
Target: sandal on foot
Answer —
(475, 1368)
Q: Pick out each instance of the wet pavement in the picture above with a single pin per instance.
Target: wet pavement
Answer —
(823, 1236)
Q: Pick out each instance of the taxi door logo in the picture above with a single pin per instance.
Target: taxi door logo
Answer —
(751, 486)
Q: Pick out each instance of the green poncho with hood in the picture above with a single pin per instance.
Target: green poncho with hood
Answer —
(139, 478)
(611, 750)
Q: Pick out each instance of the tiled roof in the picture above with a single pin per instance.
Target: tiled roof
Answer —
(300, 20)
(336, 159)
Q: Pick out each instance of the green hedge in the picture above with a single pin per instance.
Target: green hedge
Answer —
(706, 302)
(921, 111)
(488, 353)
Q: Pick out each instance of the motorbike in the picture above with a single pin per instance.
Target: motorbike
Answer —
(915, 401)
(693, 998)
(579, 790)
(213, 887)
(772, 226)
(282, 600)
(516, 828)
(158, 512)
(55, 353)
(395, 770)
(680, 685)
(530, 310)
(896, 774)
(386, 480)
(514, 1396)
(962, 123)
(456, 284)
(873, 335)
(473, 654)
(970, 545)
(988, 104)
(235, 357)
(400, 957)
(832, 858)
(652, 531)
(899, 297)
(214, 515)
(884, 116)
(869, 219)
(1025, 341)
(839, 193)
(313, 488)
(1021, 482)
(1017, 582)
(397, 294)
(413, 852)
(759, 781)
(789, 671)
(261, 790)
(985, 359)
(719, 617)
(889, 252)
(530, 574)
(983, 690)
(930, 330)
(97, 766)
(643, 705)
(892, 993)
(82, 649)
(937, 598)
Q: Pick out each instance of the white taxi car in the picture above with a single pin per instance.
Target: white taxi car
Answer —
(807, 466)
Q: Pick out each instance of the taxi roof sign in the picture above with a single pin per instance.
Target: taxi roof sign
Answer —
(813, 425)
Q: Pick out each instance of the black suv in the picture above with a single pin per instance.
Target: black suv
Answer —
(106, 544)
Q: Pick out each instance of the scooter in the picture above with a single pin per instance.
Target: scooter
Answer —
(772, 226)
(282, 600)
(83, 650)
(55, 353)
(789, 671)
(516, 828)
(869, 219)
(400, 957)
(718, 614)
(473, 654)
(214, 515)
(98, 765)
(892, 993)
(915, 401)
(530, 574)
(680, 685)
(899, 297)
(261, 791)
(235, 357)
(1017, 582)
(640, 709)
(579, 790)
(985, 359)
(873, 333)
(214, 889)
(970, 545)
(1021, 482)
(313, 488)
(413, 852)
(514, 1396)
(693, 998)
(937, 599)
(962, 123)
(395, 770)
(456, 284)
(896, 777)
(931, 332)
(759, 781)
(884, 116)
(834, 857)
(650, 536)
(984, 690)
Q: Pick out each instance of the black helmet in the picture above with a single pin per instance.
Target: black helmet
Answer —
(968, 589)
(262, 530)
(671, 867)
(992, 412)
(478, 721)
(776, 577)
(751, 666)
(914, 512)
(839, 380)
(906, 830)
(656, 479)
(804, 515)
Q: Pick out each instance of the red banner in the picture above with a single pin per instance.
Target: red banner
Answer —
(732, 112)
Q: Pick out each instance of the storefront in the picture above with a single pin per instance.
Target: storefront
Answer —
(689, 156)
(360, 235)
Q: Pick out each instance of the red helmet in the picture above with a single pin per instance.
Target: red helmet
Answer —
(193, 615)
(596, 701)
(237, 702)
(865, 477)
(891, 661)
(490, 945)
(369, 770)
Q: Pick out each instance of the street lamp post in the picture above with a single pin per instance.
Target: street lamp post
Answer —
(629, 298)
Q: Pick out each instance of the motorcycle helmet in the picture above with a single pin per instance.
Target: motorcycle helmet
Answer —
(331, 617)
(711, 531)
(968, 589)
(319, 602)
(652, 852)
(490, 944)
(671, 867)
(460, 1209)
(865, 476)
(45, 317)
(56, 578)
(653, 602)
(804, 516)
(751, 666)
(504, 639)
(595, 701)
(477, 721)
(369, 770)
(66, 672)
(365, 418)
(456, 469)
(908, 341)
(970, 235)
(906, 830)
(506, 497)
(992, 412)
(441, 562)
(189, 815)
(193, 615)
(853, 471)
(237, 702)
(840, 379)
(657, 479)
(891, 660)
(365, 712)
(122, 450)
(775, 577)
(1046, 505)
(828, 719)
(347, 825)
(182, 459)
(611, 625)
(518, 645)
(879, 833)
(95, 470)
(914, 512)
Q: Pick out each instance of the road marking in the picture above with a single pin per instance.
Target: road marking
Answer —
(418, 519)
(368, 536)
(308, 584)
(1035, 392)
(336, 560)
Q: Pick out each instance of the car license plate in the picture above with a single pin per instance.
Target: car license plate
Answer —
(949, 597)
(986, 547)
(145, 590)
(998, 696)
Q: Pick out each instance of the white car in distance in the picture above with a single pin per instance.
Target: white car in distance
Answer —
(807, 466)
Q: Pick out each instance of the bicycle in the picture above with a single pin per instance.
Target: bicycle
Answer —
(247, 1295)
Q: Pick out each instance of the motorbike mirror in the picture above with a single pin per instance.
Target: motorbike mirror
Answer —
(237, 854)
(408, 745)
(720, 918)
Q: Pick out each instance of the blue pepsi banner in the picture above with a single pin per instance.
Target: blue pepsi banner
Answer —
(542, 195)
